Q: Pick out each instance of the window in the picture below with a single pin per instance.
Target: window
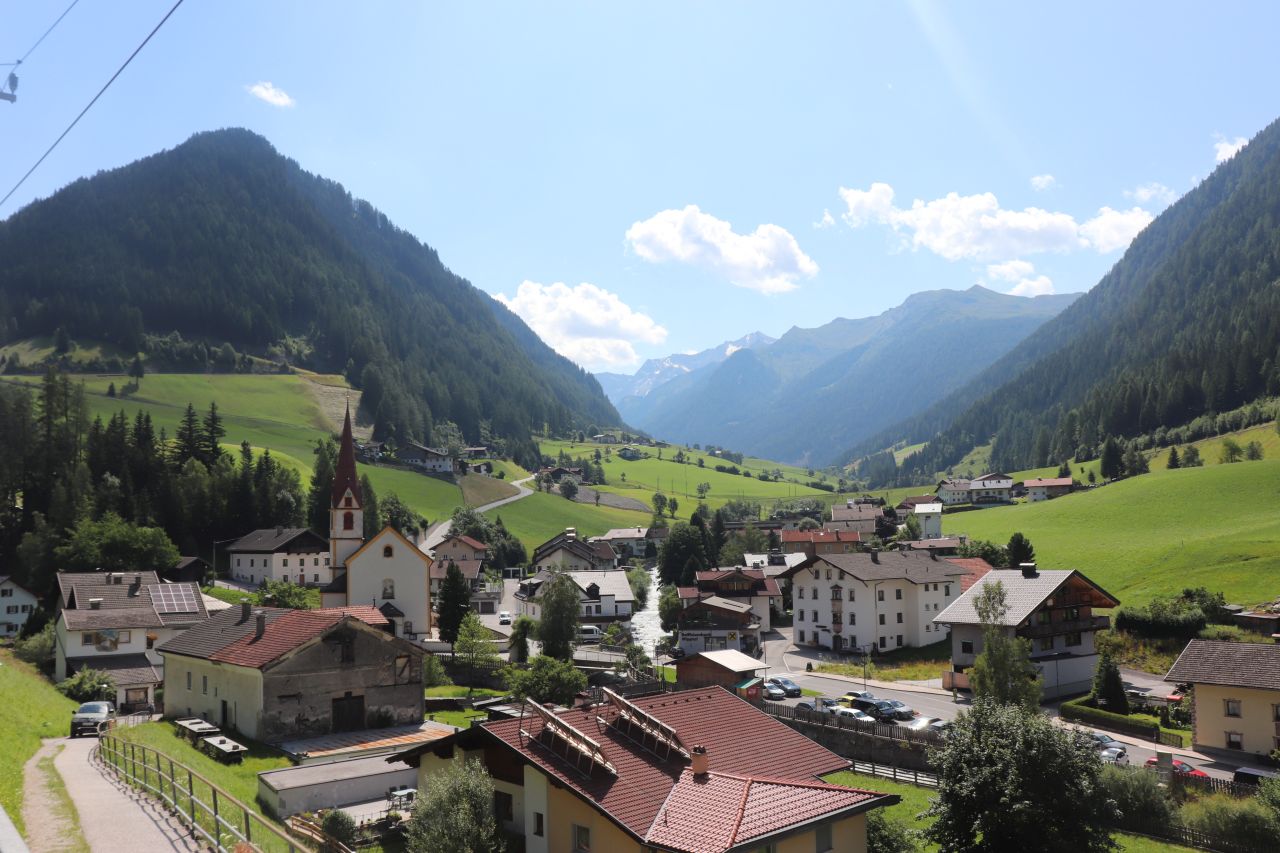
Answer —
(851, 595)
(204, 684)
(884, 641)
(1235, 740)
(285, 562)
(315, 561)
(966, 647)
(386, 551)
(188, 679)
(802, 636)
(899, 639)
(1075, 639)
(348, 521)
(503, 808)
(801, 592)
(315, 578)
(326, 561)
(946, 590)
(1275, 713)
(86, 639)
(1043, 617)
(899, 618)
(27, 608)
(813, 616)
(853, 619)
(881, 618)
(822, 838)
(1232, 707)
(897, 594)
(581, 839)
(346, 501)
(879, 595)
(928, 628)
(6, 593)
(1073, 613)
(388, 588)
(251, 562)
(537, 824)
(1044, 644)
(12, 608)
(799, 615)
(828, 574)
(125, 637)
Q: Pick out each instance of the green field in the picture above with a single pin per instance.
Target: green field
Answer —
(1211, 448)
(32, 709)
(1156, 534)
(540, 516)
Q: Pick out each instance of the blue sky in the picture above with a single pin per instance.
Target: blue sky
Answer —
(638, 179)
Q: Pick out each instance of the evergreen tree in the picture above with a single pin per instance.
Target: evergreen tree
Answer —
(522, 630)
(1191, 457)
(455, 603)
(1020, 551)
(319, 497)
(1108, 686)
(189, 438)
(1110, 461)
(558, 625)
(683, 543)
(1174, 461)
(212, 434)
(136, 370)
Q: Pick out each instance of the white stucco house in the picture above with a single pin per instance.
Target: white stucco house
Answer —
(17, 603)
(292, 554)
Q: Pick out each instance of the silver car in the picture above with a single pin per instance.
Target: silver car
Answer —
(1111, 755)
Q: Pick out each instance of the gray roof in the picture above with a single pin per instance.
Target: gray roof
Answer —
(120, 617)
(272, 539)
(1023, 595)
(306, 775)
(221, 630)
(731, 659)
(610, 582)
(124, 670)
(1254, 665)
(127, 604)
(857, 512)
(912, 566)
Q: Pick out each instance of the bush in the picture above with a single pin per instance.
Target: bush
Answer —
(1244, 821)
(1229, 634)
(1146, 623)
(1143, 803)
(433, 673)
(37, 649)
(1080, 711)
(89, 685)
(341, 826)
(885, 835)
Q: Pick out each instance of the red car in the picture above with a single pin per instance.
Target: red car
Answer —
(1180, 767)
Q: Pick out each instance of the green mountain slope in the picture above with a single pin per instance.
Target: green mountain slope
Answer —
(1187, 322)
(225, 241)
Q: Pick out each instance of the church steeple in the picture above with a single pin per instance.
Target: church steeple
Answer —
(346, 510)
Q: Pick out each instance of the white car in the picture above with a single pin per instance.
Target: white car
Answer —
(851, 713)
(1115, 756)
(504, 618)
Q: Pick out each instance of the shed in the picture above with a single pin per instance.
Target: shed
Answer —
(726, 668)
(335, 784)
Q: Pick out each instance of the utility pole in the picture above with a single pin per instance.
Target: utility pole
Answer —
(12, 82)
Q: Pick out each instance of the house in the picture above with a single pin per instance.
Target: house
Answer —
(371, 451)
(1053, 608)
(630, 454)
(293, 554)
(1236, 691)
(628, 542)
(1047, 488)
(605, 438)
(188, 570)
(478, 452)
(814, 542)
(774, 565)
(470, 556)
(697, 771)
(388, 571)
(735, 529)
(885, 600)
(718, 623)
(930, 517)
(113, 621)
(270, 673)
(750, 586)
(461, 549)
(17, 603)
(856, 516)
(425, 458)
(953, 491)
(566, 552)
(991, 488)
(943, 546)
(606, 596)
(908, 505)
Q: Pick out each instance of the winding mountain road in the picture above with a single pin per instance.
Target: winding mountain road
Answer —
(439, 532)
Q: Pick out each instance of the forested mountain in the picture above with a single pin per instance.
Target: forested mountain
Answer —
(814, 391)
(659, 371)
(225, 241)
(1186, 323)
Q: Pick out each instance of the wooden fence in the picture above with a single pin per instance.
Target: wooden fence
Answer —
(209, 812)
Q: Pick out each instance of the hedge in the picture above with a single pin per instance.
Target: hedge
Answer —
(1183, 626)
(1079, 711)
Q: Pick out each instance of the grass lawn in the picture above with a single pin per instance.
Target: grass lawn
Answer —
(31, 709)
(479, 489)
(1211, 448)
(461, 719)
(915, 800)
(453, 691)
(235, 596)
(540, 516)
(1156, 534)
(906, 664)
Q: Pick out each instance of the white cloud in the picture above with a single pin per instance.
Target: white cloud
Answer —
(976, 227)
(1154, 191)
(266, 91)
(1040, 183)
(826, 221)
(768, 259)
(586, 323)
(1224, 149)
(1114, 229)
(1022, 275)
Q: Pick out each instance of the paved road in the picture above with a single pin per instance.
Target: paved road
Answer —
(114, 818)
(440, 531)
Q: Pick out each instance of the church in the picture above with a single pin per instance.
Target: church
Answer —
(388, 571)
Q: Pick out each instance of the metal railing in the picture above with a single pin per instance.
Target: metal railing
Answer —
(224, 822)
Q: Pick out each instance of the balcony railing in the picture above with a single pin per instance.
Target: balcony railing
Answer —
(1071, 626)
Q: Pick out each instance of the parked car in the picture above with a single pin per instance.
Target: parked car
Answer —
(1114, 756)
(1182, 768)
(807, 705)
(90, 715)
(1102, 740)
(919, 724)
(774, 692)
(882, 711)
(825, 702)
(850, 713)
(788, 686)
(942, 727)
(589, 633)
(901, 710)
(504, 618)
(856, 694)
(1253, 775)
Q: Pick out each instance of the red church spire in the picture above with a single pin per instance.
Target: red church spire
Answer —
(345, 477)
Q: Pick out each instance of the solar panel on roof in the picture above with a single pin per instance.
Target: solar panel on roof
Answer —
(176, 598)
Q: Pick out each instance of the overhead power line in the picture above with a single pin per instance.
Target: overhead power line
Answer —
(52, 27)
(89, 106)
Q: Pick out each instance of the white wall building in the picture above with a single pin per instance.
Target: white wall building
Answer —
(991, 488)
(605, 595)
(930, 518)
(16, 606)
(292, 554)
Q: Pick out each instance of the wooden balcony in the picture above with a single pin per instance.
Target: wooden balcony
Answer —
(1071, 626)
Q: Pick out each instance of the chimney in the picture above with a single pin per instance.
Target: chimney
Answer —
(1028, 570)
(262, 625)
(279, 530)
(95, 604)
(875, 555)
(571, 533)
(701, 764)
(246, 609)
(136, 586)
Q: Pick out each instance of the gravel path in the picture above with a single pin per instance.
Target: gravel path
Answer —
(49, 828)
(113, 817)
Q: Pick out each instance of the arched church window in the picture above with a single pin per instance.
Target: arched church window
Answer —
(348, 521)
(386, 551)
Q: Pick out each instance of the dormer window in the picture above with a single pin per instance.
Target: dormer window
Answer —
(386, 551)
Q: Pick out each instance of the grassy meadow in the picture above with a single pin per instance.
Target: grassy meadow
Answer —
(1211, 448)
(32, 709)
(540, 516)
(1155, 534)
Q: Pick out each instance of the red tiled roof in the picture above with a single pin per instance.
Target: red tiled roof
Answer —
(715, 812)
(366, 613)
(974, 568)
(816, 536)
(1049, 481)
(918, 499)
(730, 729)
(468, 541)
(293, 629)
(720, 574)
(687, 591)
(344, 474)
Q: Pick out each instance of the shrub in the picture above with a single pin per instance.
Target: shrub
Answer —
(89, 685)
(341, 826)
(1080, 711)
(1138, 794)
(1146, 623)
(885, 835)
(1244, 821)
(37, 649)
(433, 673)
(1229, 634)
